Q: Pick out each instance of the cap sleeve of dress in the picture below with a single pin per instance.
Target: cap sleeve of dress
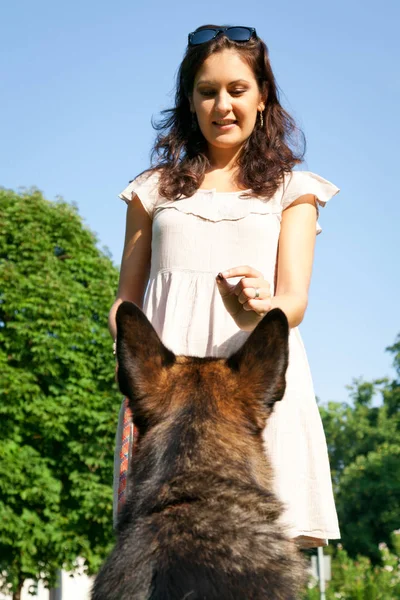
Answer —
(145, 186)
(299, 183)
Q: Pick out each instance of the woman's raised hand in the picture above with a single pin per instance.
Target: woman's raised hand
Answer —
(247, 301)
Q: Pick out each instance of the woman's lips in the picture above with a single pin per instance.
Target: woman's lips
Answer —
(226, 127)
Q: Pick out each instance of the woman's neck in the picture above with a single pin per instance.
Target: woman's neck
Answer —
(223, 159)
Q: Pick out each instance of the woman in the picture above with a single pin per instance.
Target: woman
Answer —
(220, 231)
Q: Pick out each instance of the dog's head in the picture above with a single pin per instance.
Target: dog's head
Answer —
(194, 406)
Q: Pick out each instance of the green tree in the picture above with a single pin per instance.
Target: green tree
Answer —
(58, 402)
(359, 579)
(364, 449)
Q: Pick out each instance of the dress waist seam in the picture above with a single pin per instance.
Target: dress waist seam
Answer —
(154, 273)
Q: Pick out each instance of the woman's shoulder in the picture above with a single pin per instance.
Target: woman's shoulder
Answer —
(300, 183)
(146, 179)
(297, 183)
(145, 186)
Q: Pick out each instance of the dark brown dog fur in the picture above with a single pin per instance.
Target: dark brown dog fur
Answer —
(201, 519)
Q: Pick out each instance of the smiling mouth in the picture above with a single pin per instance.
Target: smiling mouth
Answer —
(225, 124)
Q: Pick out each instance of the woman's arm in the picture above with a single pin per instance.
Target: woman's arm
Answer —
(294, 266)
(295, 258)
(136, 257)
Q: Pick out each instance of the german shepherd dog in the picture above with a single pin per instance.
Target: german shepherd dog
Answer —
(200, 522)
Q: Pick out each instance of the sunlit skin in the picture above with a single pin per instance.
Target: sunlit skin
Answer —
(226, 90)
(226, 100)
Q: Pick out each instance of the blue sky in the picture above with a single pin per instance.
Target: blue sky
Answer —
(82, 80)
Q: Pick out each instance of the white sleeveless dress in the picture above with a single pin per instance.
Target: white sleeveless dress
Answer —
(192, 240)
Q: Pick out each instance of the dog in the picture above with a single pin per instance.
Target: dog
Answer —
(201, 520)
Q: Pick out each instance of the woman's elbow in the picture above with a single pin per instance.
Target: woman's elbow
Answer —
(300, 303)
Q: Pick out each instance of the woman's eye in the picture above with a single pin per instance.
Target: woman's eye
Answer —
(209, 93)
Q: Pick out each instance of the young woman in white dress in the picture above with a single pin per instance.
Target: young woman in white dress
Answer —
(221, 230)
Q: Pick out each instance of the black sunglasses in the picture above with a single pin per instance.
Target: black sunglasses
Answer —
(236, 34)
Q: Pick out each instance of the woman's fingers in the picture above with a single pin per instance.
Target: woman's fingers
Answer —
(242, 271)
(247, 283)
(249, 288)
(228, 297)
(249, 293)
(259, 307)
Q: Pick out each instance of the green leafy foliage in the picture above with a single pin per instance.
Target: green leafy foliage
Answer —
(58, 398)
(59, 404)
(359, 579)
(364, 449)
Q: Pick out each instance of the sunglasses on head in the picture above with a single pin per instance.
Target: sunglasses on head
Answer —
(236, 34)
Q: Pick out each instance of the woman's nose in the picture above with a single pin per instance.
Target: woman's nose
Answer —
(223, 103)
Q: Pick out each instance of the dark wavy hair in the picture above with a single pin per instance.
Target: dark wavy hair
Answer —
(180, 150)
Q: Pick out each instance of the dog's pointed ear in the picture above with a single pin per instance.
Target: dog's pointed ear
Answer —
(263, 359)
(141, 355)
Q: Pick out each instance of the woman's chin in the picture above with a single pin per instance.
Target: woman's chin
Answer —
(225, 141)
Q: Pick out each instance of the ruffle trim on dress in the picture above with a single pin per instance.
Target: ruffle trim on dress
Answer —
(145, 186)
(232, 206)
(222, 207)
(300, 183)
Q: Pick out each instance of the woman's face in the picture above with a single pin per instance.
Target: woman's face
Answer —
(226, 99)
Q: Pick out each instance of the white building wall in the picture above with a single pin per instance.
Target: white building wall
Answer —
(71, 588)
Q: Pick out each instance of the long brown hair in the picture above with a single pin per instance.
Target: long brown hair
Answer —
(180, 150)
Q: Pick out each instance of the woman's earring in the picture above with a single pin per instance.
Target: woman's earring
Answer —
(261, 119)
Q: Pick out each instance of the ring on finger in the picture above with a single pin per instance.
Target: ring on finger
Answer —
(256, 292)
